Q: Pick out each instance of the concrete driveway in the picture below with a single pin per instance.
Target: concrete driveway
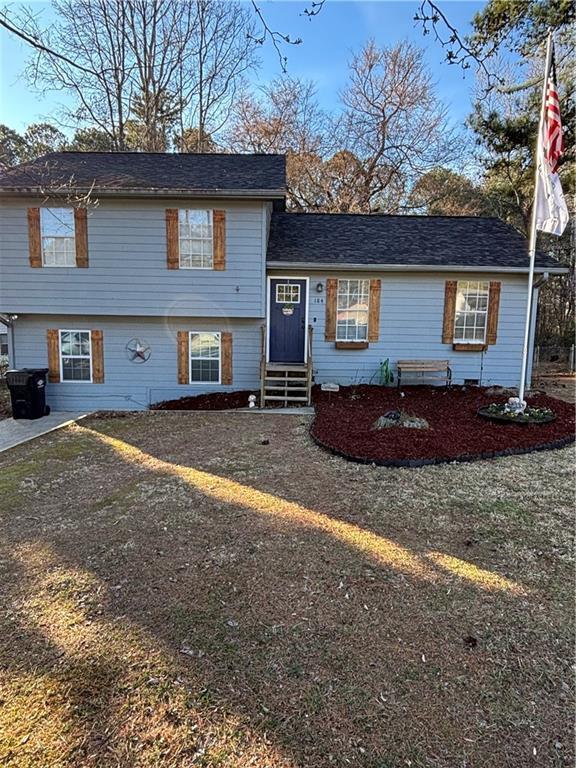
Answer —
(16, 431)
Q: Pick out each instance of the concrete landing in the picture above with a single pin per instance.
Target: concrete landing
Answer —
(293, 410)
(14, 432)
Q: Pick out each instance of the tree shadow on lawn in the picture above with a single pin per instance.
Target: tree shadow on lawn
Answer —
(221, 624)
(56, 685)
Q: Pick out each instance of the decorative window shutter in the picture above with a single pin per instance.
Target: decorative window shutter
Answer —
(183, 357)
(97, 339)
(172, 240)
(81, 236)
(53, 340)
(450, 291)
(330, 320)
(34, 237)
(374, 311)
(226, 357)
(493, 311)
(219, 239)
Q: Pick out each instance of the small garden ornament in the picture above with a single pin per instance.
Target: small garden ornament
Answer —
(515, 405)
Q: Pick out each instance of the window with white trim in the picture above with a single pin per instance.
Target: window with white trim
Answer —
(205, 357)
(195, 236)
(58, 237)
(75, 356)
(286, 293)
(3, 343)
(471, 315)
(352, 310)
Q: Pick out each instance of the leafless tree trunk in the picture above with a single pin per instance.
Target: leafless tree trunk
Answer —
(145, 65)
(393, 130)
(287, 119)
(158, 35)
(393, 123)
(92, 34)
(223, 51)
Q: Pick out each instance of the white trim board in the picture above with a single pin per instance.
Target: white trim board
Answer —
(331, 266)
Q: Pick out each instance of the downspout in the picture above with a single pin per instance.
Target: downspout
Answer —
(535, 295)
(535, 292)
(541, 280)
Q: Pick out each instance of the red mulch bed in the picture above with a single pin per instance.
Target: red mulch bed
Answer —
(344, 419)
(215, 401)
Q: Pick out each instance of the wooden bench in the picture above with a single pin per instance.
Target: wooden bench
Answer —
(435, 370)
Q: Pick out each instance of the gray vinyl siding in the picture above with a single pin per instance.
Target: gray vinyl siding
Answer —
(128, 273)
(411, 317)
(133, 386)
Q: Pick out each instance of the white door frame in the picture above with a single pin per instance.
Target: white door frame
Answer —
(287, 277)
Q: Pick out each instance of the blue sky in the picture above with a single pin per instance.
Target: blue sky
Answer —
(328, 42)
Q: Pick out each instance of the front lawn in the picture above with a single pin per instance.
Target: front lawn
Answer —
(204, 589)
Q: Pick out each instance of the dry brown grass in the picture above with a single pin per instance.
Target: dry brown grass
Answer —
(562, 386)
(176, 593)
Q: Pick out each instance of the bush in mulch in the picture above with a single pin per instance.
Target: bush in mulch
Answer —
(5, 404)
(214, 401)
(344, 425)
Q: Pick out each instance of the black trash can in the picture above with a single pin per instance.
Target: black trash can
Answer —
(28, 392)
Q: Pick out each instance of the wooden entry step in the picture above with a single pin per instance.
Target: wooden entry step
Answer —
(283, 367)
(286, 382)
(284, 379)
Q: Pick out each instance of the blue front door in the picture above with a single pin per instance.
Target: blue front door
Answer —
(287, 320)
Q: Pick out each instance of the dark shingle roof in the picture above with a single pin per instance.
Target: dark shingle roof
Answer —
(141, 172)
(356, 239)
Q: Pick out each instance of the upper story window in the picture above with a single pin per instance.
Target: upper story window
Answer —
(58, 237)
(195, 239)
(471, 312)
(352, 310)
(75, 356)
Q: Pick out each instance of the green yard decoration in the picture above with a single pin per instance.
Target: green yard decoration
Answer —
(384, 373)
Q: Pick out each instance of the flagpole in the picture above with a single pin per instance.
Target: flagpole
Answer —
(533, 230)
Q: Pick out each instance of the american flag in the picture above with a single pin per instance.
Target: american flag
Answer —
(553, 142)
(551, 208)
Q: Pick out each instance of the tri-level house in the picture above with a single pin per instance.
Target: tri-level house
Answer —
(136, 278)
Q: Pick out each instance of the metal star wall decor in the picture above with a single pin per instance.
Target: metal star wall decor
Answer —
(138, 351)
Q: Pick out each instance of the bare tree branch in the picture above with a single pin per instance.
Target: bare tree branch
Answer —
(314, 9)
(392, 130)
(37, 44)
(459, 51)
(275, 37)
